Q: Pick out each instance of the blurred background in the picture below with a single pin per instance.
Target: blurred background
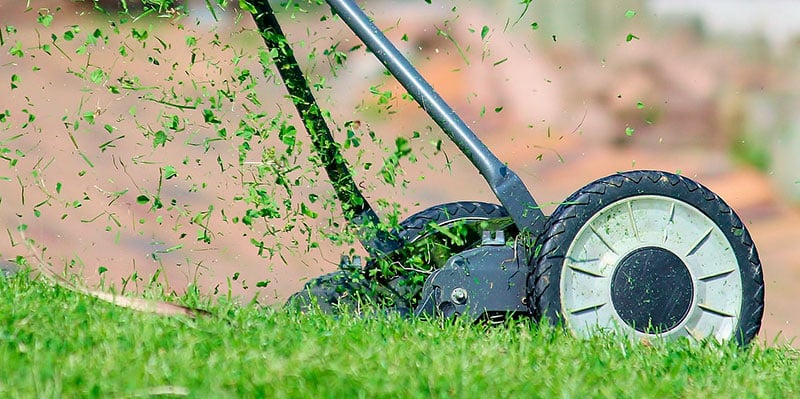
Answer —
(565, 91)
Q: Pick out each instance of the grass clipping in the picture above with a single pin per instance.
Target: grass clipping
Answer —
(138, 304)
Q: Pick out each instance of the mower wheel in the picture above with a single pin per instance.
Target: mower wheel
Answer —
(352, 287)
(648, 254)
(327, 292)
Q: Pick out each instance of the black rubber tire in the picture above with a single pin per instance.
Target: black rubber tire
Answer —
(416, 225)
(544, 291)
(329, 292)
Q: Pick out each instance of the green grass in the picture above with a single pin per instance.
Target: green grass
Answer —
(56, 343)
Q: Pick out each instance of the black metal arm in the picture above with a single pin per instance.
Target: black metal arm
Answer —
(356, 208)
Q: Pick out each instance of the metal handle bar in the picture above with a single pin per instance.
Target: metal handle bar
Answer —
(505, 184)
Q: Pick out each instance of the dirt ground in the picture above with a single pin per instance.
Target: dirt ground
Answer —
(556, 136)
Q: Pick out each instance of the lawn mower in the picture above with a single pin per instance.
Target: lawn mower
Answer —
(647, 254)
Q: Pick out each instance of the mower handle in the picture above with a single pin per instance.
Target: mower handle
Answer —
(506, 185)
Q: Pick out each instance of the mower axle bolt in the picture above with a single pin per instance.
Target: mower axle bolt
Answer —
(459, 296)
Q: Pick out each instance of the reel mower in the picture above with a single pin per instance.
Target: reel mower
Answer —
(644, 253)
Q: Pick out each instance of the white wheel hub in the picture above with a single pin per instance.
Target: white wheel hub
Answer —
(618, 240)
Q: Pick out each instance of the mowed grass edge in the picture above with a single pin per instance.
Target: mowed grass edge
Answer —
(57, 343)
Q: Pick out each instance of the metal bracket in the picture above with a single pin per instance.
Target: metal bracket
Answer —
(493, 237)
(478, 282)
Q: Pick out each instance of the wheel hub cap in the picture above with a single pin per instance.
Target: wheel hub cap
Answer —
(652, 290)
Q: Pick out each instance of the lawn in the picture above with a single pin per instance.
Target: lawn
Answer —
(57, 343)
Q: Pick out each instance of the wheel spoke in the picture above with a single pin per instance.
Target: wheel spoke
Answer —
(584, 270)
(717, 312)
(693, 333)
(603, 240)
(717, 275)
(700, 242)
(670, 222)
(633, 221)
(586, 309)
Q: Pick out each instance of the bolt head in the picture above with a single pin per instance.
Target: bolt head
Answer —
(459, 296)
